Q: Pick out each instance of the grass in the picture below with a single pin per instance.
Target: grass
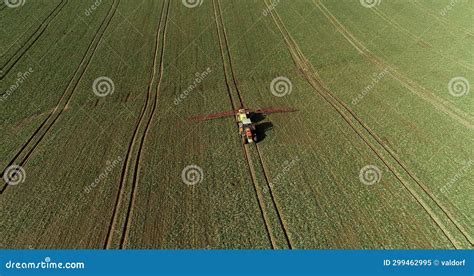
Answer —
(299, 187)
(15, 35)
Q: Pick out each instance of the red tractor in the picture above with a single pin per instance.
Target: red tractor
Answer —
(247, 128)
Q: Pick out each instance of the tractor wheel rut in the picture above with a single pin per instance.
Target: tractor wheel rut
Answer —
(26, 151)
(231, 82)
(119, 227)
(360, 127)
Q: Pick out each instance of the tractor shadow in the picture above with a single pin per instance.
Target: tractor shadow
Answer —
(261, 127)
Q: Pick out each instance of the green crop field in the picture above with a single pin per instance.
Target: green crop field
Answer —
(363, 113)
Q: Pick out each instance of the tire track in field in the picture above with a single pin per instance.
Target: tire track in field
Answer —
(253, 176)
(392, 153)
(5, 51)
(418, 39)
(311, 75)
(440, 104)
(222, 33)
(441, 19)
(276, 203)
(32, 143)
(34, 37)
(147, 129)
(117, 235)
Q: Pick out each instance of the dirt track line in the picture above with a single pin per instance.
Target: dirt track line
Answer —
(115, 224)
(440, 19)
(260, 198)
(281, 221)
(430, 97)
(145, 135)
(315, 81)
(278, 207)
(416, 38)
(65, 98)
(229, 55)
(5, 51)
(34, 37)
(245, 152)
(423, 186)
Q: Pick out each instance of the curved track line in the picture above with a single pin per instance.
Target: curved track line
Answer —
(65, 98)
(276, 206)
(416, 38)
(259, 196)
(444, 21)
(401, 164)
(34, 37)
(437, 102)
(430, 97)
(392, 153)
(315, 81)
(114, 222)
(412, 175)
(136, 171)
